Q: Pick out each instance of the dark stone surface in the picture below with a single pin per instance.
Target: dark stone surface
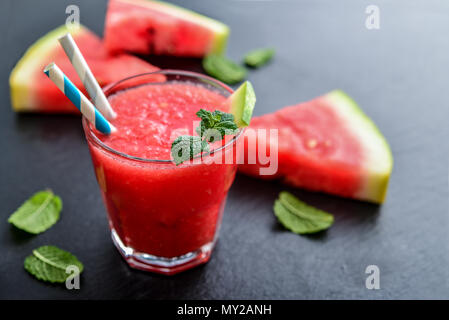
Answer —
(398, 74)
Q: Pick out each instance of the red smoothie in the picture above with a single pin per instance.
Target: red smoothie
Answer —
(157, 208)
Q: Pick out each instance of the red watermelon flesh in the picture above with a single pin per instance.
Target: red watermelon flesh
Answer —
(155, 27)
(31, 90)
(327, 144)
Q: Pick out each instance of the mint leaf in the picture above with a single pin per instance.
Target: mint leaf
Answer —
(49, 263)
(38, 213)
(259, 57)
(299, 217)
(215, 125)
(186, 147)
(223, 69)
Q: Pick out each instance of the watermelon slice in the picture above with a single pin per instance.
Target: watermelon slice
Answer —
(154, 27)
(327, 144)
(31, 90)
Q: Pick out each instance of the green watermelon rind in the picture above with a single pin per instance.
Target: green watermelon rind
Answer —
(242, 103)
(20, 82)
(378, 160)
(221, 31)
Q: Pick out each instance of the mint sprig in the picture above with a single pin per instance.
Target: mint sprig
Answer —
(213, 127)
(223, 123)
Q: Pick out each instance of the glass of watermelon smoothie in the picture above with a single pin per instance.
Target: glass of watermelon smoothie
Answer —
(163, 217)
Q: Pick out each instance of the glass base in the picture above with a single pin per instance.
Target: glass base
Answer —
(167, 266)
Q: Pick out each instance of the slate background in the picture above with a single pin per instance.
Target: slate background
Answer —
(398, 74)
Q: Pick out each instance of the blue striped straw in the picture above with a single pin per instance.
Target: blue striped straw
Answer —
(87, 78)
(78, 99)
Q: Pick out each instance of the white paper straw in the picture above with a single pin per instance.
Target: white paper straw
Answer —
(78, 99)
(90, 83)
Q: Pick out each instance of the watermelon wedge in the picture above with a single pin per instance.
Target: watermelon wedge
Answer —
(31, 90)
(328, 145)
(155, 27)
(241, 104)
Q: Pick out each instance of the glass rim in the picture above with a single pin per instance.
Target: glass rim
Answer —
(93, 137)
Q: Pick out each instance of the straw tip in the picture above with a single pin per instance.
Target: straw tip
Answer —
(66, 36)
(49, 66)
